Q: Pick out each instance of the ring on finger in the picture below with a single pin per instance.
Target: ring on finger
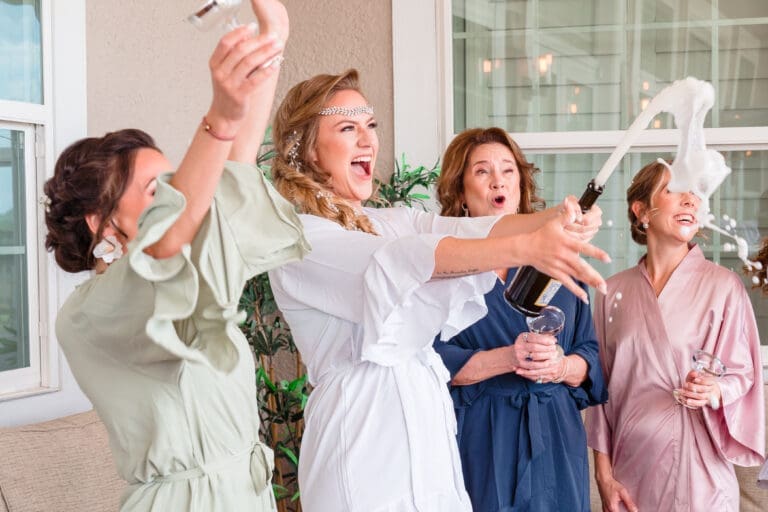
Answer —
(529, 357)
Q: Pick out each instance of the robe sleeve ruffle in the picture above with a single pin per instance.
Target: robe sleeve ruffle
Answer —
(403, 306)
(249, 229)
(738, 427)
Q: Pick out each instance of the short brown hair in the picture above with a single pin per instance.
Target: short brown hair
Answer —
(90, 177)
(450, 185)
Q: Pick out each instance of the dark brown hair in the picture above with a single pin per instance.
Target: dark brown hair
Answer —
(450, 185)
(645, 183)
(762, 273)
(295, 129)
(90, 177)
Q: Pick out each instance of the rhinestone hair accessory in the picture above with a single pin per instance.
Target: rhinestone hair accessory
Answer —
(325, 196)
(293, 154)
(346, 111)
(109, 249)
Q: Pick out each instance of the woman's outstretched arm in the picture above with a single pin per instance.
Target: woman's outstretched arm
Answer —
(550, 248)
(238, 72)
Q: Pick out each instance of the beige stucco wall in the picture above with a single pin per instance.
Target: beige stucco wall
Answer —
(147, 68)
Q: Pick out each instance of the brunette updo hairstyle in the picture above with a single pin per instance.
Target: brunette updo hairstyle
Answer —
(294, 133)
(90, 177)
(450, 185)
(645, 183)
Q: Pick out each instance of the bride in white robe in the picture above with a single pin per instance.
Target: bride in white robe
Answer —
(366, 303)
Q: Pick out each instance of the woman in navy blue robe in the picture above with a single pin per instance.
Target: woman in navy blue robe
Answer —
(522, 443)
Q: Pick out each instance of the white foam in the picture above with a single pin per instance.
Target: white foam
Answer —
(685, 230)
(757, 265)
(609, 223)
(742, 248)
(755, 280)
(695, 168)
(726, 217)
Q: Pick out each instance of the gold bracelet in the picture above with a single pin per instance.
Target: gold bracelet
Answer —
(207, 128)
(562, 375)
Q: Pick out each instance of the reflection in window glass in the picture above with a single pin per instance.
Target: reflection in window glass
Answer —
(14, 339)
(21, 51)
(743, 196)
(560, 65)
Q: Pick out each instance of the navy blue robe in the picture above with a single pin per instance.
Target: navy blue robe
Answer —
(522, 444)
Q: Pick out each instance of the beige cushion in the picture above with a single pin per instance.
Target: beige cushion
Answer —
(63, 465)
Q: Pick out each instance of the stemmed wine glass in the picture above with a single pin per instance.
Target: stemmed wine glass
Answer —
(550, 320)
(216, 13)
(706, 363)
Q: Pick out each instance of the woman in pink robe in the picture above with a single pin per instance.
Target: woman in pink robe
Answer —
(651, 453)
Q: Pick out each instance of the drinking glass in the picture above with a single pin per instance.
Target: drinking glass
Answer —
(216, 13)
(702, 362)
(550, 320)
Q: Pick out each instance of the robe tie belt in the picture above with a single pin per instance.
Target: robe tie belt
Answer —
(530, 442)
(430, 359)
(258, 459)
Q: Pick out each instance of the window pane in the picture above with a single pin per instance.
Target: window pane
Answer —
(14, 337)
(743, 196)
(560, 65)
(21, 51)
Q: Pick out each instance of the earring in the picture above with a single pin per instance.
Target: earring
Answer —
(464, 209)
(645, 226)
(109, 249)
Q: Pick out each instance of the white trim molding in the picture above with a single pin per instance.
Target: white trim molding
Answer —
(55, 124)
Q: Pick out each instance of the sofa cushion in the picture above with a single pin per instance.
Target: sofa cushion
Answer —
(63, 465)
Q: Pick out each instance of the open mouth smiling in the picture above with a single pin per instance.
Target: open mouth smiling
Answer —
(362, 165)
(498, 201)
(685, 218)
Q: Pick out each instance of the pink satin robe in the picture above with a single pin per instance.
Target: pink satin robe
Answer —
(668, 457)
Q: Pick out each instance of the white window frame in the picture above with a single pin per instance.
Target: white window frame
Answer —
(423, 103)
(50, 126)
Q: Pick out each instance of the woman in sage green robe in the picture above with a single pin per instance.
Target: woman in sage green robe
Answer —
(152, 337)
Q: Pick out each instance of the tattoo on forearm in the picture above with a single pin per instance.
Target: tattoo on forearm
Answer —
(456, 273)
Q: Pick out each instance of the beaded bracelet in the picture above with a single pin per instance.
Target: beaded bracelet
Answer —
(209, 130)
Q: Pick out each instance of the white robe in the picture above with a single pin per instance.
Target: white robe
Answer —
(380, 428)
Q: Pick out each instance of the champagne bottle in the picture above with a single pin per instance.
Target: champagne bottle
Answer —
(531, 290)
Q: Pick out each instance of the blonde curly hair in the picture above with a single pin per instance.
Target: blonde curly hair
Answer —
(294, 132)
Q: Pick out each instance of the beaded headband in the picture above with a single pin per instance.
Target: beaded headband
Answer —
(346, 111)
